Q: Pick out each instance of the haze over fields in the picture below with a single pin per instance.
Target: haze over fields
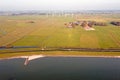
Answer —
(13, 5)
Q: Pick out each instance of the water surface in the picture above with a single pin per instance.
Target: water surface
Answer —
(61, 68)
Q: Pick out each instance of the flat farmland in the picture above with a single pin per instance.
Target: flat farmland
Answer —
(50, 32)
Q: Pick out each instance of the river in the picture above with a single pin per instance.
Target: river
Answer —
(60, 68)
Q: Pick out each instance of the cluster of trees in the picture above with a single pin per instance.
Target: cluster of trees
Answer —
(116, 23)
(86, 23)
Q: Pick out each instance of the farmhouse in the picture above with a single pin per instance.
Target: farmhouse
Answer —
(87, 25)
(70, 25)
(77, 23)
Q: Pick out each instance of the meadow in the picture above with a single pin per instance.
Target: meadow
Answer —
(46, 32)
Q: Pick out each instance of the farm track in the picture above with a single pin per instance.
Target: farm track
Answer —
(16, 35)
(37, 49)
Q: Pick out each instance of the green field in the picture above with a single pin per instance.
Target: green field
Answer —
(50, 32)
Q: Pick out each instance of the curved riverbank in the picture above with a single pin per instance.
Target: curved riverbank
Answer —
(74, 56)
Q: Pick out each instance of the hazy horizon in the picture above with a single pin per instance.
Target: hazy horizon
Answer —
(21, 5)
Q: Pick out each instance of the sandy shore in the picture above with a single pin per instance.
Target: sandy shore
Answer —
(83, 56)
(72, 56)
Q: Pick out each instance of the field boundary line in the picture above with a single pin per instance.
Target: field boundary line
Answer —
(115, 39)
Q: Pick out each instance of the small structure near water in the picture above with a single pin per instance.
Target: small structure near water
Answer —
(29, 58)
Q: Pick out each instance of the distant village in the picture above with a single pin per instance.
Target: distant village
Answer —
(88, 25)
(59, 12)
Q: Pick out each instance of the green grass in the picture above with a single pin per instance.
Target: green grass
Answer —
(51, 32)
(105, 38)
(89, 40)
(61, 53)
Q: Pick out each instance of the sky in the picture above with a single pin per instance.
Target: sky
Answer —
(11, 5)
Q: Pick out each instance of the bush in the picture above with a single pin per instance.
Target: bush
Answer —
(115, 23)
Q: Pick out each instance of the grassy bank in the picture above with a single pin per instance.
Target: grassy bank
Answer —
(60, 53)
